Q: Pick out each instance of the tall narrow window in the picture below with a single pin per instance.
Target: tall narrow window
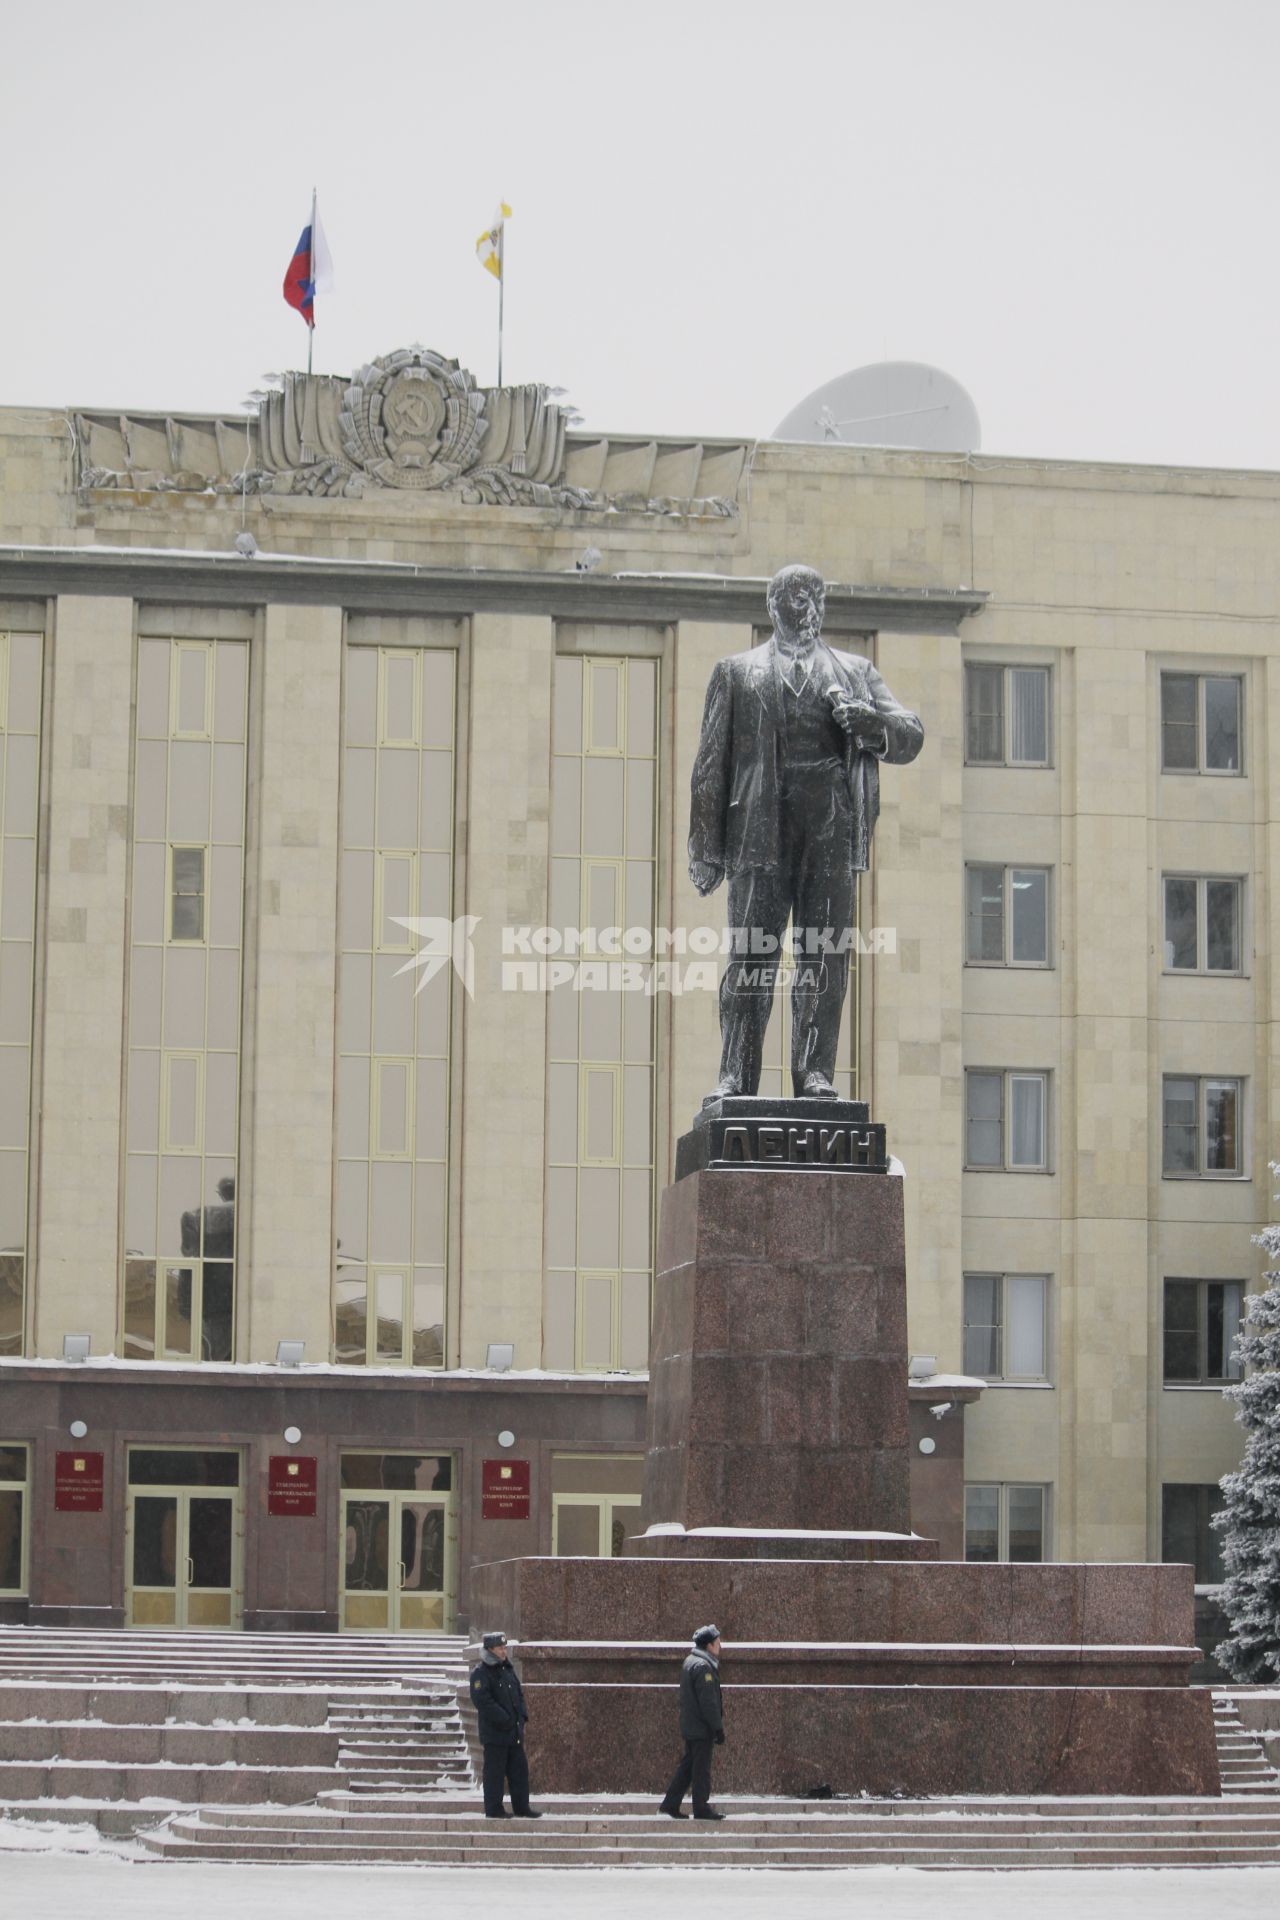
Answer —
(21, 657)
(599, 1234)
(394, 1017)
(1186, 1535)
(15, 1509)
(1006, 716)
(185, 940)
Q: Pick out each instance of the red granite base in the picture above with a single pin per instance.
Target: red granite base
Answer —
(888, 1676)
(912, 1740)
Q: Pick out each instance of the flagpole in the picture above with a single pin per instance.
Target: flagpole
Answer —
(502, 284)
(311, 330)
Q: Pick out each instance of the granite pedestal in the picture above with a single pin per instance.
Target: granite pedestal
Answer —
(776, 1504)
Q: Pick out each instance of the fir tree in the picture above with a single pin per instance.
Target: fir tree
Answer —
(1249, 1518)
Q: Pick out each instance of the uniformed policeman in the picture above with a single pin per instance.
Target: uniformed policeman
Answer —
(498, 1699)
(701, 1724)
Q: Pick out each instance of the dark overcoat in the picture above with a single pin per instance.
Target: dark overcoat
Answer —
(735, 819)
(498, 1698)
(701, 1713)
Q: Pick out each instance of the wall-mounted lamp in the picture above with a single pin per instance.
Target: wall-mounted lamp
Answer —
(75, 1346)
(498, 1358)
(77, 1429)
(289, 1352)
(293, 1435)
(928, 1444)
(506, 1438)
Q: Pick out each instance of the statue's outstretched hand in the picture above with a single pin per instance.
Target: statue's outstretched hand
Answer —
(705, 875)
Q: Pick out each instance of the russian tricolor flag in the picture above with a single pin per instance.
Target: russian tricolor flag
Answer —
(310, 270)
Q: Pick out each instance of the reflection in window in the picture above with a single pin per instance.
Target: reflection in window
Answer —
(182, 1105)
(1202, 1127)
(1200, 723)
(599, 1232)
(393, 1040)
(21, 656)
(1005, 1523)
(1201, 924)
(1202, 1320)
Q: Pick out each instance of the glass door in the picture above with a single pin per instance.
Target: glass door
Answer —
(183, 1540)
(398, 1559)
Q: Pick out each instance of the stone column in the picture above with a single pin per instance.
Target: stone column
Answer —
(286, 1162)
(78, 1064)
(504, 1065)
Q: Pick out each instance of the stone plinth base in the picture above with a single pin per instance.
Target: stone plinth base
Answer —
(890, 1675)
(730, 1543)
(620, 1738)
(922, 1603)
(778, 1365)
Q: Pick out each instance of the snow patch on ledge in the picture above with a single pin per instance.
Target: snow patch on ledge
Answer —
(669, 1528)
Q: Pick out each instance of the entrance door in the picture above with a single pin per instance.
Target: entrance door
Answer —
(183, 1542)
(398, 1561)
(592, 1523)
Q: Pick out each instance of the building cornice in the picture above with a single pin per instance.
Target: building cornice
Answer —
(396, 587)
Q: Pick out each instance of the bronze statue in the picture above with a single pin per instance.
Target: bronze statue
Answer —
(786, 791)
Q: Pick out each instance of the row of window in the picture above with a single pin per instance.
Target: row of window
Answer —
(1006, 1521)
(1006, 1329)
(1007, 1123)
(1007, 719)
(1009, 919)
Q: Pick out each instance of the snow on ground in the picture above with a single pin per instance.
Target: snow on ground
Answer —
(61, 1886)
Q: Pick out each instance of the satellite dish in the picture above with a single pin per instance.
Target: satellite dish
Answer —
(895, 403)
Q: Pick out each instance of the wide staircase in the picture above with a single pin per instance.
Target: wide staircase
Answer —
(1240, 1722)
(627, 1832)
(94, 1724)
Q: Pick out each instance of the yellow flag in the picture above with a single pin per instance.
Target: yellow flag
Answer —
(489, 245)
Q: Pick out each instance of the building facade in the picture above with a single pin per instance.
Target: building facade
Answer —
(342, 908)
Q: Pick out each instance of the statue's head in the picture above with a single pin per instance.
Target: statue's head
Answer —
(796, 597)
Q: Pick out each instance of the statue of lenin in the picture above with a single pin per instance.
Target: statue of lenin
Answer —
(786, 791)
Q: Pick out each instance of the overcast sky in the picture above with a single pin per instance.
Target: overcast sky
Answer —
(718, 205)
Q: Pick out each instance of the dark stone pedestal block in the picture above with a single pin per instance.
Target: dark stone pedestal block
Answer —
(778, 1368)
(910, 1740)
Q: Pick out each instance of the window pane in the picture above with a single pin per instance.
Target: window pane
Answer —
(1181, 1330)
(986, 915)
(985, 689)
(1221, 1128)
(10, 1541)
(193, 665)
(1029, 906)
(1029, 716)
(1222, 725)
(1178, 722)
(982, 1523)
(390, 1310)
(1224, 1307)
(1222, 925)
(1178, 1524)
(981, 1325)
(1179, 1126)
(1024, 1339)
(1026, 1116)
(1180, 923)
(1026, 1523)
(984, 1142)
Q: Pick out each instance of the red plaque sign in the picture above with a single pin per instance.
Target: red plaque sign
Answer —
(291, 1484)
(77, 1483)
(505, 1490)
